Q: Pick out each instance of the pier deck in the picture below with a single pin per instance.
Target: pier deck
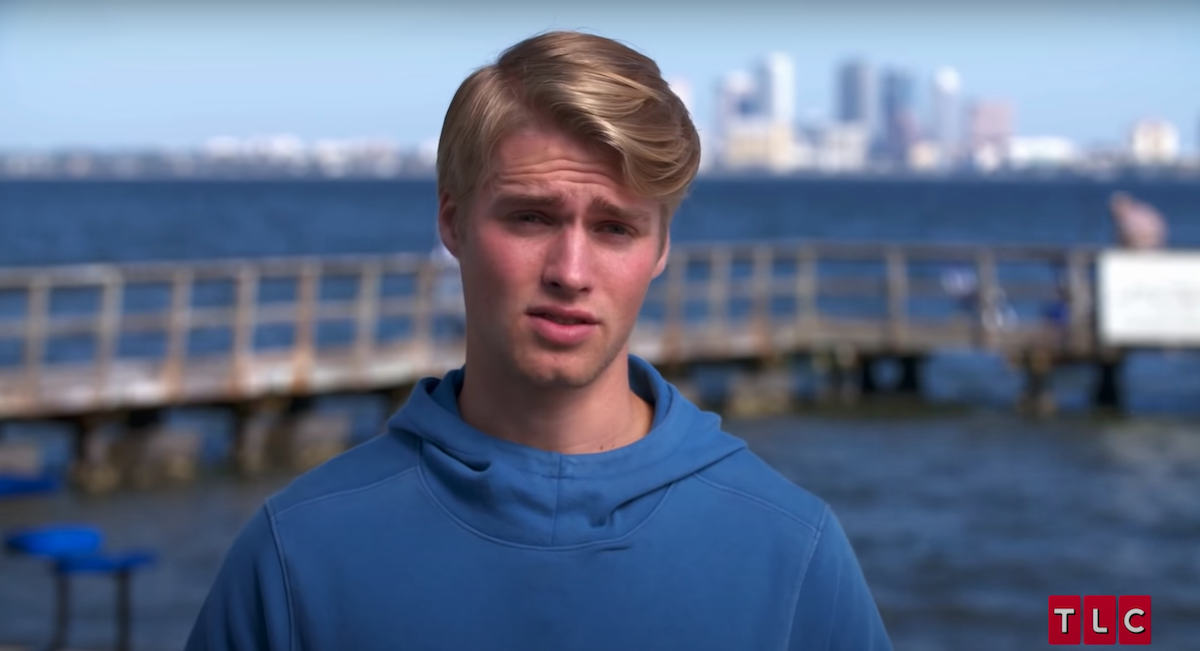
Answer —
(113, 337)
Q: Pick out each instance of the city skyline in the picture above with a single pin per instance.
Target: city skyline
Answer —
(180, 77)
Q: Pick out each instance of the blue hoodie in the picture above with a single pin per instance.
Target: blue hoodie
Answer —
(438, 536)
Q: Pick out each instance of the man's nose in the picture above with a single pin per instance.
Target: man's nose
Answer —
(567, 265)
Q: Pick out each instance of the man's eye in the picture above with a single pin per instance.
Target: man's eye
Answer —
(617, 229)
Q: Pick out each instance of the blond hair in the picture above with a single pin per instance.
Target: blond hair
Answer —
(591, 87)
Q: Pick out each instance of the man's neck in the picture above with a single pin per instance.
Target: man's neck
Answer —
(602, 416)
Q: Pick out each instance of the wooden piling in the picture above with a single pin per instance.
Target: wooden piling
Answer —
(152, 452)
(910, 375)
(763, 387)
(867, 383)
(255, 425)
(847, 375)
(1109, 392)
(92, 468)
(1038, 397)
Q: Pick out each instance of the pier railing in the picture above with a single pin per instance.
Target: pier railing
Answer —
(98, 338)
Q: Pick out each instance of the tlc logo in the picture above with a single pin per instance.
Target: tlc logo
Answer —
(1100, 619)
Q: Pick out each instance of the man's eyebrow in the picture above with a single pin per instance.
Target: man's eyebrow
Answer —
(598, 205)
(528, 199)
(625, 214)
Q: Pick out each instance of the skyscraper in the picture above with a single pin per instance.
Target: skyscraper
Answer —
(856, 94)
(944, 128)
(899, 114)
(1154, 142)
(777, 88)
(991, 124)
(736, 100)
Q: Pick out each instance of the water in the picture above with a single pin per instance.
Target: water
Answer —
(963, 523)
(965, 517)
(53, 223)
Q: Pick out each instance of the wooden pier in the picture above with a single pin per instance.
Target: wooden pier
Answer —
(110, 347)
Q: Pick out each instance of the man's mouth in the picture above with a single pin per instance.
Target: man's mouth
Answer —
(564, 317)
(562, 320)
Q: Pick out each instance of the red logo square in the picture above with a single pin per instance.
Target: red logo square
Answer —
(1133, 619)
(1064, 619)
(1100, 619)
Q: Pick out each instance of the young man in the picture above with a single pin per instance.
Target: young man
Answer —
(555, 492)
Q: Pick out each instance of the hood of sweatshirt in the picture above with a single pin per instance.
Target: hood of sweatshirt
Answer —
(526, 496)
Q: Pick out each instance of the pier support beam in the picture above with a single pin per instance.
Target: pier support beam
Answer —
(164, 454)
(910, 375)
(1109, 392)
(844, 380)
(254, 427)
(867, 384)
(134, 448)
(151, 452)
(764, 390)
(92, 468)
(1038, 398)
(288, 433)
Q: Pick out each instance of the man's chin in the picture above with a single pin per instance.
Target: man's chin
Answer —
(562, 370)
(559, 377)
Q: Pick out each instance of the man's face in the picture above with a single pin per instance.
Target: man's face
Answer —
(556, 257)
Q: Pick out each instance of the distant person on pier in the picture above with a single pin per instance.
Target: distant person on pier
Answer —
(1139, 227)
(555, 492)
(1138, 224)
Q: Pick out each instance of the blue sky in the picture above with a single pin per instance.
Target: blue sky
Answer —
(139, 73)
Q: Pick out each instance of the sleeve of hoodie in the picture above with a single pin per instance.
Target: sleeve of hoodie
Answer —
(248, 607)
(835, 610)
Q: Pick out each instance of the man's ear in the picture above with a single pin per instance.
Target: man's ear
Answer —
(665, 255)
(448, 226)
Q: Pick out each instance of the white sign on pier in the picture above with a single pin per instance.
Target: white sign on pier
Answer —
(1149, 298)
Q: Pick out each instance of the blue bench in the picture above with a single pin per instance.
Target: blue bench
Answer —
(17, 485)
(78, 549)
